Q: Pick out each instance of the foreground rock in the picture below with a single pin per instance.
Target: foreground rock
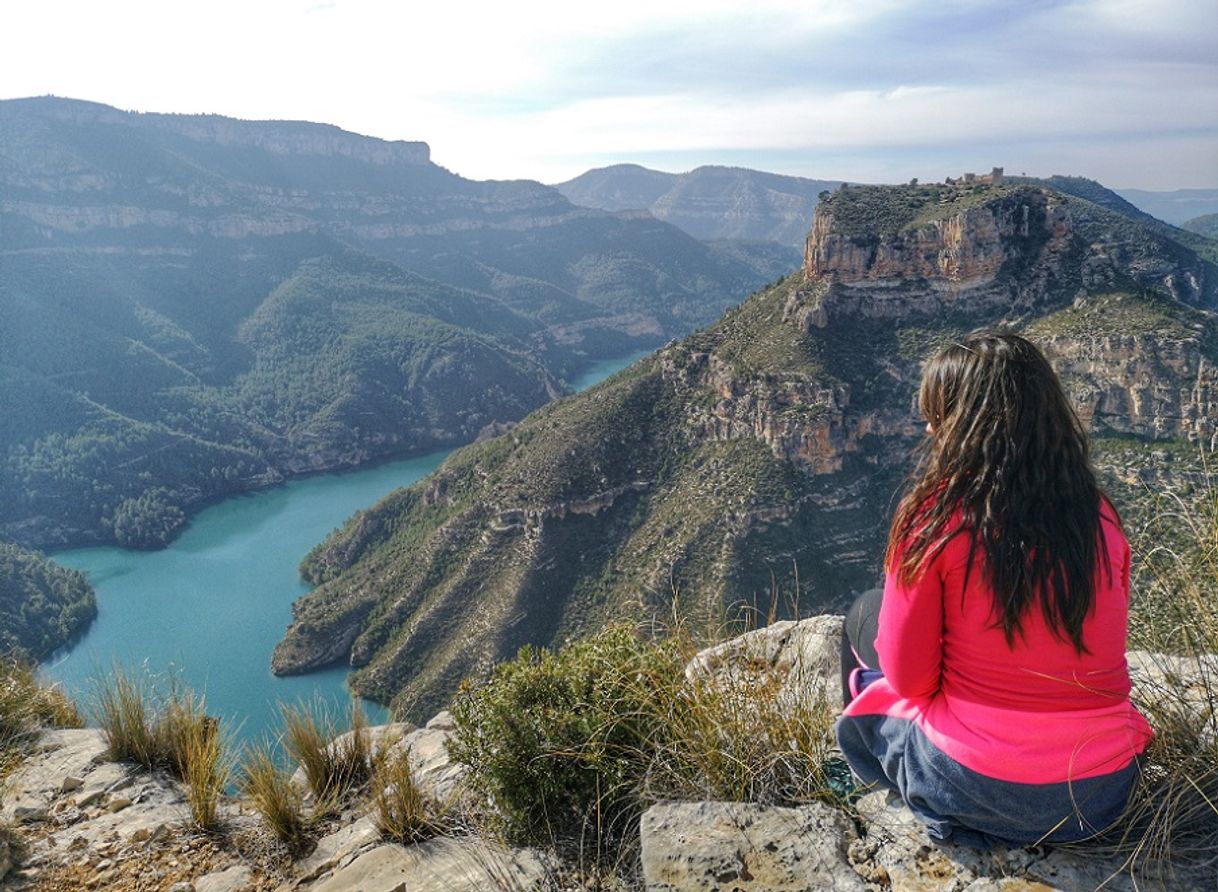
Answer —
(804, 655)
(89, 823)
(895, 852)
(453, 865)
(706, 846)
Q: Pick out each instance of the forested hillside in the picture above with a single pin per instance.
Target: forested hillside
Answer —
(42, 605)
(192, 306)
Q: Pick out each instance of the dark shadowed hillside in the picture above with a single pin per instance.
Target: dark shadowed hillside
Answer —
(42, 605)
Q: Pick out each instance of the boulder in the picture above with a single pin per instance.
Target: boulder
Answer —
(234, 879)
(336, 846)
(437, 775)
(452, 864)
(60, 753)
(805, 654)
(745, 847)
(894, 851)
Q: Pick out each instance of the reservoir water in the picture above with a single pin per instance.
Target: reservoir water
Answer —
(209, 609)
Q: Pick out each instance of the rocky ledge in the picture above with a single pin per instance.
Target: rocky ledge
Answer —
(87, 823)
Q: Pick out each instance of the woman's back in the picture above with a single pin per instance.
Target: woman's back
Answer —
(1003, 706)
(1042, 672)
(1032, 711)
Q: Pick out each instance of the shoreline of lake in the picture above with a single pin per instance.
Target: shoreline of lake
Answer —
(209, 608)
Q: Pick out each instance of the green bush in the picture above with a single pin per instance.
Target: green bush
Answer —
(560, 741)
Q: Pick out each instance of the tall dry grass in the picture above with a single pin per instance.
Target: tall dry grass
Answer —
(125, 713)
(334, 766)
(26, 707)
(403, 812)
(171, 731)
(274, 796)
(1172, 819)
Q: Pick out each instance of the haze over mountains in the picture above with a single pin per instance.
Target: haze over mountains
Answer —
(707, 202)
(195, 305)
(1177, 206)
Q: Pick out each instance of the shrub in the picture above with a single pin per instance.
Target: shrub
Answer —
(562, 740)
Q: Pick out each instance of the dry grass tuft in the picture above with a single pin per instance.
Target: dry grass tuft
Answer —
(334, 768)
(205, 767)
(26, 706)
(402, 811)
(1172, 818)
(174, 733)
(274, 797)
(123, 712)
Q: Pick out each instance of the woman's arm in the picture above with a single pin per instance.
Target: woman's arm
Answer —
(910, 637)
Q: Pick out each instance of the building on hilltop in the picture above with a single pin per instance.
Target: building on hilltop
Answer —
(994, 178)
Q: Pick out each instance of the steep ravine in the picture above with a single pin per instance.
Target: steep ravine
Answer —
(763, 453)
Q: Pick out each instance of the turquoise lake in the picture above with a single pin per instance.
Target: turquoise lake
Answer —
(209, 609)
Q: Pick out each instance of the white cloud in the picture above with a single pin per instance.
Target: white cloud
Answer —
(544, 89)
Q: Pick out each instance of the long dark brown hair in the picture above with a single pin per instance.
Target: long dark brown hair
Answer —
(1009, 454)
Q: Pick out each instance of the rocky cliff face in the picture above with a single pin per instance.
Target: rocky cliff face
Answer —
(963, 249)
(760, 458)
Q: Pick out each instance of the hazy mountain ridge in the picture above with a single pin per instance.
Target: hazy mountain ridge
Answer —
(773, 440)
(710, 202)
(157, 270)
(1174, 206)
(1206, 225)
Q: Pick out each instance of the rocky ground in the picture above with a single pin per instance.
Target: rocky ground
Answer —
(88, 823)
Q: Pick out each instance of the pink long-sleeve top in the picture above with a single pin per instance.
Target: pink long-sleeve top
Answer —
(1037, 712)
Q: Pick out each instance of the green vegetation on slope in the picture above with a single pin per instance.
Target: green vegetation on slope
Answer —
(871, 212)
(759, 454)
(348, 358)
(42, 605)
(196, 306)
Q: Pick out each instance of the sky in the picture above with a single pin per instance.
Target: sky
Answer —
(1124, 91)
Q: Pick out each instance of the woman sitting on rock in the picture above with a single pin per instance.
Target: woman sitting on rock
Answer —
(987, 683)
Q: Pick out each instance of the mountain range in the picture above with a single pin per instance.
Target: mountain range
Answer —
(192, 306)
(710, 202)
(757, 461)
